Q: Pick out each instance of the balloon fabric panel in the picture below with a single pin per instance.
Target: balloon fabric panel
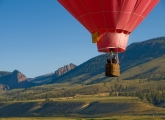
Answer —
(112, 20)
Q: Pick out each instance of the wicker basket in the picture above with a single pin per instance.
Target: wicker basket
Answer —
(112, 70)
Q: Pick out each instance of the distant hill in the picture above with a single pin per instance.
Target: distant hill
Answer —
(48, 77)
(42, 79)
(3, 73)
(140, 52)
(136, 54)
(4, 87)
(15, 79)
(152, 70)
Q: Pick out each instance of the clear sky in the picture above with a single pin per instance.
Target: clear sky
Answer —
(39, 36)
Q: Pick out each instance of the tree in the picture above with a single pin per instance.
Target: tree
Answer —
(104, 83)
(110, 93)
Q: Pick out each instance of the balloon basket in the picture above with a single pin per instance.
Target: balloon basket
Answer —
(112, 70)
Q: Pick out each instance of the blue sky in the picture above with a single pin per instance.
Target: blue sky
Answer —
(39, 36)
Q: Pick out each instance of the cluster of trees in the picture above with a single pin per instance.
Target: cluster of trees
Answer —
(153, 97)
(36, 93)
(121, 88)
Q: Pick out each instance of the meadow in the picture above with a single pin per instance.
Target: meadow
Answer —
(113, 99)
(104, 118)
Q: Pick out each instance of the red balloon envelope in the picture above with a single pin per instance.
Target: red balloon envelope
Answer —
(109, 21)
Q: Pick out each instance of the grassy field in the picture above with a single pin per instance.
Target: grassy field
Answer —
(158, 64)
(83, 105)
(104, 118)
(61, 90)
(82, 100)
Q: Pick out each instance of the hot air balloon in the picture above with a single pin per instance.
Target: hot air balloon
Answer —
(110, 23)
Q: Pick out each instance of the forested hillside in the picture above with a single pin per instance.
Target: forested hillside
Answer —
(136, 54)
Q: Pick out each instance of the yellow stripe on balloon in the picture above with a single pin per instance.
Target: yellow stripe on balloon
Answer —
(95, 37)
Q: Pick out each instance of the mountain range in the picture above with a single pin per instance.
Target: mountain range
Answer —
(16, 79)
(141, 60)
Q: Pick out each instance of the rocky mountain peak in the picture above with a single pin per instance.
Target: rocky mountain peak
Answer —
(18, 76)
(15, 71)
(4, 87)
(63, 70)
(14, 80)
